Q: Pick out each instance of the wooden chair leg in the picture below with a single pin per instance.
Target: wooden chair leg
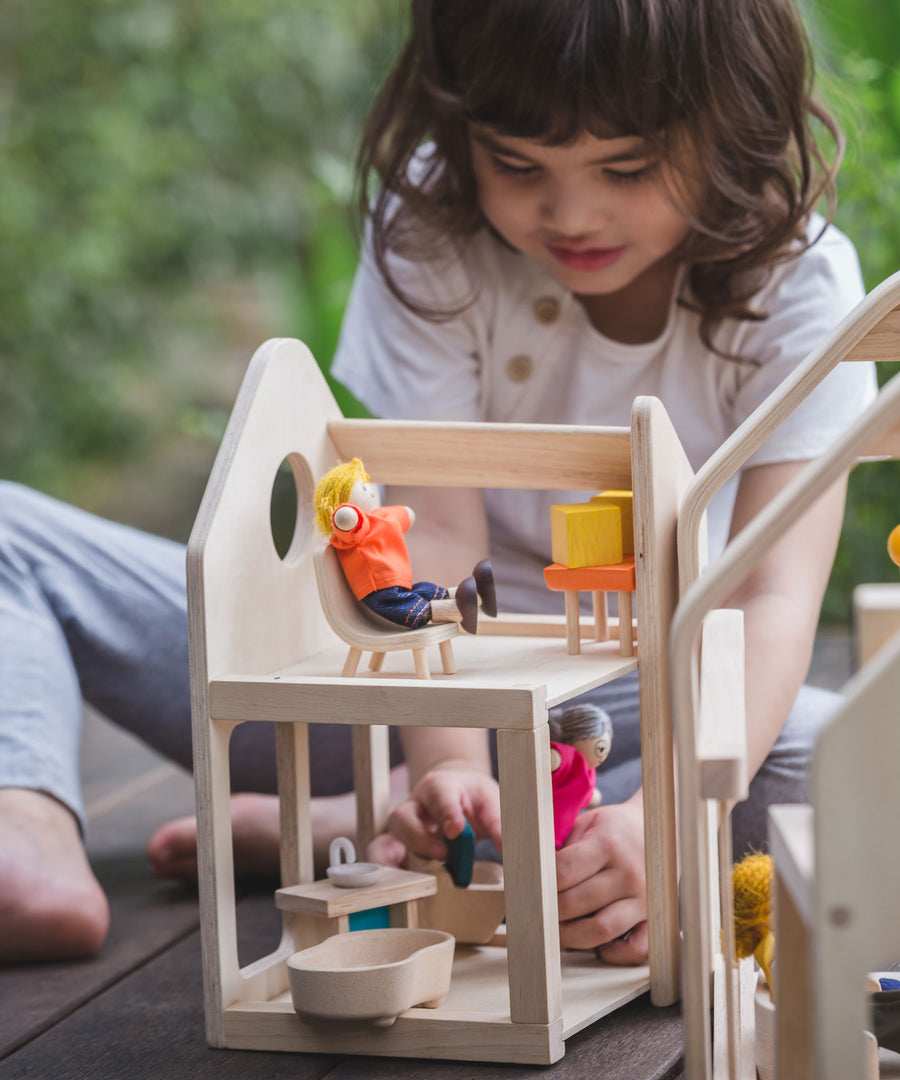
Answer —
(352, 662)
(601, 619)
(421, 662)
(448, 663)
(375, 661)
(626, 629)
(573, 626)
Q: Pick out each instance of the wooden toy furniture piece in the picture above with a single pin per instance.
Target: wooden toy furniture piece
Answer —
(876, 617)
(262, 650)
(364, 631)
(711, 739)
(598, 581)
(373, 975)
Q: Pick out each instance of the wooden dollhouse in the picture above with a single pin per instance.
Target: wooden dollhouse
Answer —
(262, 650)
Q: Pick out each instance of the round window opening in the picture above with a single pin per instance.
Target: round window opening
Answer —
(291, 509)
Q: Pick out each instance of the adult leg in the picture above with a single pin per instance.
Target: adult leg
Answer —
(97, 610)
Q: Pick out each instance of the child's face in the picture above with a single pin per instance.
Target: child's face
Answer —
(595, 212)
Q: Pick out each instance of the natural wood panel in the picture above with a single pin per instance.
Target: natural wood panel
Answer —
(533, 456)
(882, 342)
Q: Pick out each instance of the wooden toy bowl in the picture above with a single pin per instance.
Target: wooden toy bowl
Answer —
(371, 974)
(471, 915)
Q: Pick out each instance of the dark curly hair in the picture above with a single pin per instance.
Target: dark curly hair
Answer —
(735, 75)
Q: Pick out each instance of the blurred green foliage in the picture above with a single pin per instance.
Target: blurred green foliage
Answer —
(160, 159)
(858, 40)
(151, 152)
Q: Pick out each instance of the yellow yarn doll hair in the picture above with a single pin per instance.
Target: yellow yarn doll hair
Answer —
(751, 882)
(334, 488)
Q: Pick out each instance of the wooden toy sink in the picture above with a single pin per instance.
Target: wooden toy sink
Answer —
(371, 974)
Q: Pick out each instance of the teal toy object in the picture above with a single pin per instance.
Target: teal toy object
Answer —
(461, 857)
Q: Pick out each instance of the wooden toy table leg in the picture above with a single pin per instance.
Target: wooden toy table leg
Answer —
(626, 628)
(573, 623)
(601, 621)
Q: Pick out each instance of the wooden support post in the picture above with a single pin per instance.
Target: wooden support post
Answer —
(371, 780)
(532, 914)
(793, 990)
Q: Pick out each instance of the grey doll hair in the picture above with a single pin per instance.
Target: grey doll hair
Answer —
(579, 722)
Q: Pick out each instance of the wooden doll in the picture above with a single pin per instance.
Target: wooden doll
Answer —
(580, 741)
(371, 547)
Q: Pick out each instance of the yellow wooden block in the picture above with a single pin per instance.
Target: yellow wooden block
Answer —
(586, 534)
(625, 503)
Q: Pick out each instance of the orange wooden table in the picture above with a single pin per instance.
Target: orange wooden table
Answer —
(598, 581)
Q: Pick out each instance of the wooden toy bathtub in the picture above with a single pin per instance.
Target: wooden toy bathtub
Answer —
(371, 974)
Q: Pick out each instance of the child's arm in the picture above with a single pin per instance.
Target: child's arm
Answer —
(781, 600)
(451, 532)
(600, 871)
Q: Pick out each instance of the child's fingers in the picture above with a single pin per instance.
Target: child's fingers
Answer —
(411, 825)
(578, 862)
(386, 850)
(602, 927)
(443, 799)
(596, 891)
(486, 816)
(631, 948)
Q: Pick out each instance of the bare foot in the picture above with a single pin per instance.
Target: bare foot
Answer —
(172, 849)
(51, 905)
(255, 823)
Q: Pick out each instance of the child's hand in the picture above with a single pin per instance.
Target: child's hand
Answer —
(440, 804)
(602, 884)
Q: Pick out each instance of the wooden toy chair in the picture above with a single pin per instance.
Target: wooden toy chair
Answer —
(365, 631)
(262, 650)
(710, 731)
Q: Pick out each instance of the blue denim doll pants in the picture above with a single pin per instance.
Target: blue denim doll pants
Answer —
(96, 611)
(406, 607)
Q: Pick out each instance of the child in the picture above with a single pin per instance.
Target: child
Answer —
(369, 541)
(580, 201)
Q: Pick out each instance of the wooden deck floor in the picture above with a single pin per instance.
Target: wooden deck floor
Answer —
(135, 1010)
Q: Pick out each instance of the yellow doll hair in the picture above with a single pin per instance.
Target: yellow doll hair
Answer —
(751, 882)
(334, 488)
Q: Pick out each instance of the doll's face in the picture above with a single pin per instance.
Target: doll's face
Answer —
(595, 750)
(364, 494)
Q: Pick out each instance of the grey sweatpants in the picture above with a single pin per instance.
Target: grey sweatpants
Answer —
(94, 610)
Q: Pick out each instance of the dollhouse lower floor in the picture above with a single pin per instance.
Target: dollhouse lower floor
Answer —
(136, 1009)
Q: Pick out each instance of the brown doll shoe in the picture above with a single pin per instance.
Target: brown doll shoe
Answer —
(483, 574)
(467, 602)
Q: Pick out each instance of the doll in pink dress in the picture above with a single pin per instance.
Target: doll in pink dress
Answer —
(580, 741)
